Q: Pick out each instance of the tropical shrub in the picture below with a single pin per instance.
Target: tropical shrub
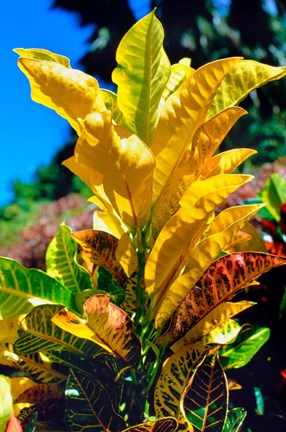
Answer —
(138, 331)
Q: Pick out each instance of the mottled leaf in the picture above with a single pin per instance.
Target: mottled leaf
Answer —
(61, 262)
(234, 420)
(205, 400)
(40, 393)
(99, 248)
(40, 369)
(173, 379)
(19, 286)
(141, 75)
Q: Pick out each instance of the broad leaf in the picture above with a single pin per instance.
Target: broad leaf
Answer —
(173, 379)
(41, 369)
(106, 324)
(99, 248)
(166, 424)
(90, 406)
(226, 162)
(19, 286)
(241, 80)
(41, 392)
(244, 348)
(205, 400)
(61, 262)
(71, 93)
(124, 162)
(223, 279)
(141, 75)
(6, 402)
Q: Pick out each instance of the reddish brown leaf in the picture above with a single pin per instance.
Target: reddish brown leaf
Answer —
(99, 248)
(222, 280)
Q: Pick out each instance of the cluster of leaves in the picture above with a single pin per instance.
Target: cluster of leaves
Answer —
(140, 337)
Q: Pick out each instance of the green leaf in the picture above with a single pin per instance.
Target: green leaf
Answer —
(244, 348)
(141, 75)
(242, 78)
(234, 420)
(90, 406)
(42, 54)
(20, 286)
(6, 402)
(274, 194)
(61, 262)
(205, 399)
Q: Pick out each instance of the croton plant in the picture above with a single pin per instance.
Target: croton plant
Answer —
(133, 326)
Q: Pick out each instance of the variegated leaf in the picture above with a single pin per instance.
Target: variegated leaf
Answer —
(235, 419)
(222, 280)
(165, 424)
(130, 302)
(141, 75)
(20, 286)
(242, 79)
(61, 262)
(39, 334)
(172, 381)
(179, 72)
(106, 324)
(41, 392)
(221, 232)
(90, 406)
(40, 369)
(205, 400)
(99, 248)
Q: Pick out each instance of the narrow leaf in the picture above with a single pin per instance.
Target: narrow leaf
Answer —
(42, 54)
(165, 424)
(141, 75)
(20, 285)
(234, 420)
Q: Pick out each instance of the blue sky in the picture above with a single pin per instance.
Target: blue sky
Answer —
(31, 133)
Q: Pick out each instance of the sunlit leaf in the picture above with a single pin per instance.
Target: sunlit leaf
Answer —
(173, 380)
(242, 78)
(183, 231)
(226, 162)
(179, 72)
(244, 348)
(224, 334)
(166, 424)
(206, 397)
(141, 75)
(43, 54)
(71, 93)
(6, 402)
(125, 163)
(19, 285)
(90, 406)
(40, 369)
(181, 115)
(106, 324)
(99, 248)
(61, 262)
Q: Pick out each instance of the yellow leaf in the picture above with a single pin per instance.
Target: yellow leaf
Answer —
(226, 162)
(126, 256)
(71, 93)
(242, 79)
(43, 54)
(125, 163)
(184, 111)
(179, 72)
(183, 231)
(221, 232)
(207, 139)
